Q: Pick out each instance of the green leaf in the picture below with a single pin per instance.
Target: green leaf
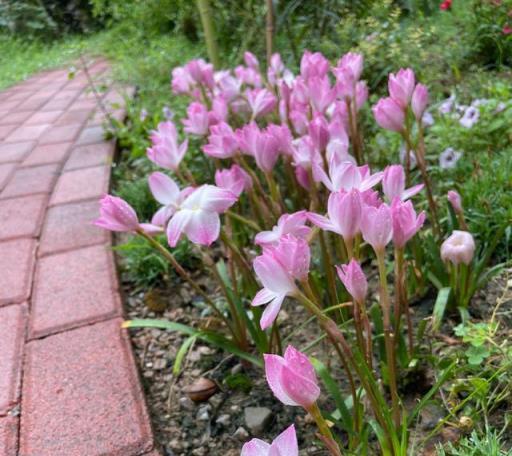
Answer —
(477, 354)
(443, 297)
(208, 336)
(334, 391)
(185, 346)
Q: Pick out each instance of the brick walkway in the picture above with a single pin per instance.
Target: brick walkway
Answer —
(68, 381)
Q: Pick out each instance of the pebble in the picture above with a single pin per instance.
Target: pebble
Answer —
(236, 369)
(223, 420)
(203, 414)
(186, 403)
(257, 419)
(241, 434)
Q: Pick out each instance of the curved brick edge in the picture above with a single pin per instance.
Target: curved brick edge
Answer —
(69, 384)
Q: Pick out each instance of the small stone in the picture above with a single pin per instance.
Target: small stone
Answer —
(203, 414)
(186, 403)
(241, 434)
(223, 420)
(430, 416)
(236, 369)
(234, 408)
(257, 419)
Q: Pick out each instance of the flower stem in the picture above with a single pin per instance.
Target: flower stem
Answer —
(389, 337)
(323, 427)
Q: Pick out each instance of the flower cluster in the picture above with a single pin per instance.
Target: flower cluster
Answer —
(290, 175)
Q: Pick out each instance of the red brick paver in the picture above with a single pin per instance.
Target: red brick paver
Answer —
(81, 396)
(68, 381)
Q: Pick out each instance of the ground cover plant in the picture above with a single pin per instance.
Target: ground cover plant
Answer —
(303, 210)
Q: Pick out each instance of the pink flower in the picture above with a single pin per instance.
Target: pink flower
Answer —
(182, 82)
(344, 211)
(292, 378)
(261, 101)
(401, 86)
(283, 136)
(458, 248)
(222, 142)
(198, 119)
(318, 130)
(251, 61)
(285, 444)
(307, 156)
(219, 112)
(276, 68)
(354, 280)
(201, 72)
(248, 76)
(116, 215)
(313, 64)
(234, 179)
(278, 268)
(320, 93)
(198, 215)
(347, 176)
(507, 29)
(405, 222)
(294, 224)
(166, 192)
(393, 184)
(166, 152)
(266, 151)
(455, 200)
(377, 226)
(389, 114)
(351, 63)
(228, 86)
(419, 101)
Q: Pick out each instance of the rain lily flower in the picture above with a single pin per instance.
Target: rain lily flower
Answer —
(393, 184)
(182, 82)
(405, 222)
(292, 378)
(251, 61)
(449, 158)
(198, 119)
(222, 142)
(283, 136)
(278, 268)
(261, 102)
(248, 76)
(294, 224)
(344, 211)
(318, 130)
(377, 226)
(198, 215)
(354, 279)
(313, 65)
(266, 151)
(401, 86)
(458, 248)
(352, 64)
(234, 179)
(321, 95)
(347, 176)
(117, 215)
(455, 200)
(201, 72)
(165, 150)
(361, 94)
(276, 69)
(419, 101)
(389, 114)
(470, 117)
(285, 444)
(167, 193)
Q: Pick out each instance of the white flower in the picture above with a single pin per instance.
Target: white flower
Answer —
(470, 117)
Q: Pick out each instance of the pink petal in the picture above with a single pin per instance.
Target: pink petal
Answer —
(298, 388)
(321, 221)
(272, 275)
(273, 369)
(262, 297)
(410, 192)
(162, 216)
(286, 442)
(177, 225)
(255, 447)
(270, 313)
(203, 227)
(149, 228)
(371, 181)
(299, 362)
(163, 188)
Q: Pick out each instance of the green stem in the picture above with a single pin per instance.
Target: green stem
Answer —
(205, 12)
(244, 220)
(389, 337)
(322, 425)
(185, 276)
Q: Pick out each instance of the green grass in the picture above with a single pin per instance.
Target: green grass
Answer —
(19, 59)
